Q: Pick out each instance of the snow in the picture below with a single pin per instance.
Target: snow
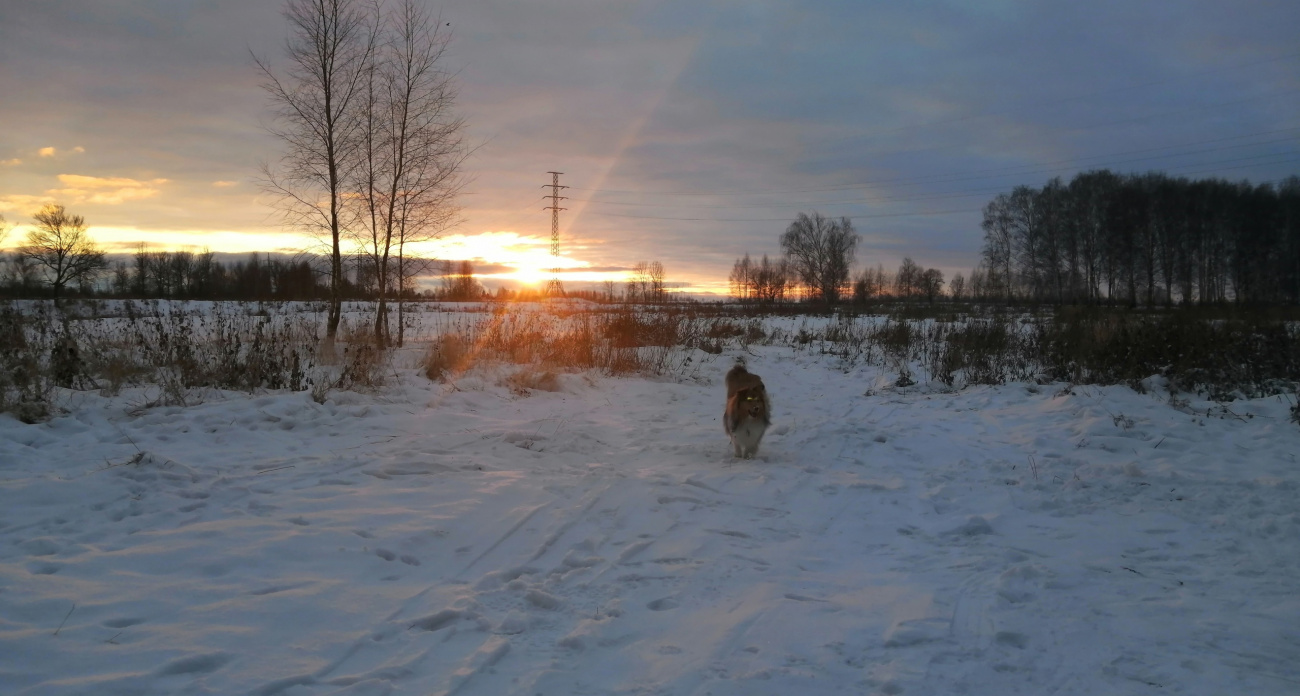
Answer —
(601, 539)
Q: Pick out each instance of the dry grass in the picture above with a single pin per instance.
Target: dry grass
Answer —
(619, 342)
(166, 347)
(447, 356)
(177, 351)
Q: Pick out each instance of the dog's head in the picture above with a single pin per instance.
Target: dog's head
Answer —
(753, 402)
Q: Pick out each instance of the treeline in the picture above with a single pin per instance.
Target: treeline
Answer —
(1144, 239)
(816, 267)
(187, 275)
(184, 275)
(179, 275)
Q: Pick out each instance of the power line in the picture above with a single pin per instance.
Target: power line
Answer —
(923, 213)
(787, 219)
(1218, 165)
(1082, 97)
(941, 178)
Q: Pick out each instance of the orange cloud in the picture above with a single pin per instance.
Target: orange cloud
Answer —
(105, 190)
(225, 184)
(52, 151)
(11, 162)
(22, 204)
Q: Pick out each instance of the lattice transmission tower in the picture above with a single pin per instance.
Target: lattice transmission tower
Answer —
(554, 288)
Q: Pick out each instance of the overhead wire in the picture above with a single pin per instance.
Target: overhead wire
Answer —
(1101, 93)
(1037, 169)
(977, 175)
(941, 178)
(1217, 166)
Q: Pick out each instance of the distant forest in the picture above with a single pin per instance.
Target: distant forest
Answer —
(194, 276)
(1146, 239)
(180, 275)
(184, 275)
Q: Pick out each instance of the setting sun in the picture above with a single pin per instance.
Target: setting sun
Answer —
(525, 259)
(531, 276)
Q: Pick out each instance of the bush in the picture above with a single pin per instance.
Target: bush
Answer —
(167, 347)
(447, 355)
(26, 389)
(1249, 353)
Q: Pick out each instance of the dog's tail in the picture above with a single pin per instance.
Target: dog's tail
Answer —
(736, 371)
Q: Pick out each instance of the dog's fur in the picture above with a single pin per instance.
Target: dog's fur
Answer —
(748, 412)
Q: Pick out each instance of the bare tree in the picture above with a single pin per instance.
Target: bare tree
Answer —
(638, 286)
(871, 283)
(957, 286)
(6, 260)
(999, 249)
(4, 232)
(658, 291)
(60, 247)
(329, 52)
(770, 280)
(742, 278)
(908, 281)
(764, 281)
(931, 284)
(426, 148)
(458, 282)
(646, 283)
(820, 252)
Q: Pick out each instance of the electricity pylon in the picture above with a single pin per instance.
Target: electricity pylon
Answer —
(554, 288)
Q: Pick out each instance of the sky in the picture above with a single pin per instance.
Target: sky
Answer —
(690, 132)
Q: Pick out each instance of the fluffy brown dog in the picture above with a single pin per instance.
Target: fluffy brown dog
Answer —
(748, 411)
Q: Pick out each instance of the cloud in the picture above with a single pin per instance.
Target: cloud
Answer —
(11, 162)
(52, 151)
(105, 190)
(22, 204)
(225, 184)
(450, 267)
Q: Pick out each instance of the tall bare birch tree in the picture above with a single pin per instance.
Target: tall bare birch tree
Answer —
(413, 148)
(330, 50)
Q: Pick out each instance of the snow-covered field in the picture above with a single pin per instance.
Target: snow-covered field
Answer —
(600, 539)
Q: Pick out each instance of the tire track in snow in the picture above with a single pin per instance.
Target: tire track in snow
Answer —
(502, 539)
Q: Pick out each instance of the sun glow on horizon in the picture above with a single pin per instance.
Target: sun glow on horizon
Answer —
(529, 257)
(499, 257)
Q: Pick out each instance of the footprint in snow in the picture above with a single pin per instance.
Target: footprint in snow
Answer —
(406, 558)
(663, 604)
(123, 622)
(195, 664)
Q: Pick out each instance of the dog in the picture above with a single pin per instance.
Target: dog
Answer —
(748, 413)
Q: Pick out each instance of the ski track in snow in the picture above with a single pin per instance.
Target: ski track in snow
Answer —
(601, 540)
